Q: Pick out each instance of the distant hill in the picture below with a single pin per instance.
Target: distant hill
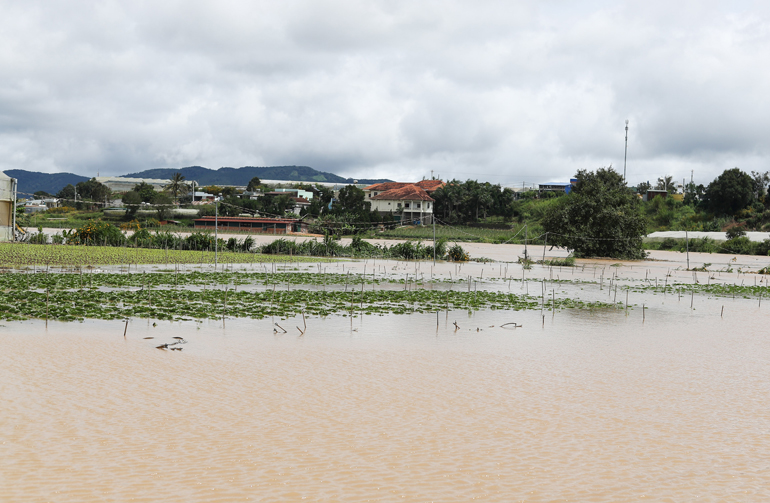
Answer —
(241, 176)
(32, 181)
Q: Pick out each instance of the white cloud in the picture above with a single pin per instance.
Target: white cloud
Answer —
(500, 91)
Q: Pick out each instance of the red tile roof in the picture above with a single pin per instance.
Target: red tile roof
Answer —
(408, 192)
(430, 185)
(427, 185)
(386, 186)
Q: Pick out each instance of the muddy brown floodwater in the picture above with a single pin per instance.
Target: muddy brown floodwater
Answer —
(579, 405)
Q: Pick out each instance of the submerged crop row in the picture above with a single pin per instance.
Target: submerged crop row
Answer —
(70, 305)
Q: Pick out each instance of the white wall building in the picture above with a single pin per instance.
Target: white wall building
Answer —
(7, 207)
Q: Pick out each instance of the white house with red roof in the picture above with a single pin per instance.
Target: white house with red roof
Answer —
(409, 201)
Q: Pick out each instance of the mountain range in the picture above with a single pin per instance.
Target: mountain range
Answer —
(31, 181)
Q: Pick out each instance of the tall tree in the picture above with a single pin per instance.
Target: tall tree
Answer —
(666, 183)
(131, 200)
(67, 193)
(254, 184)
(353, 200)
(177, 186)
(643, 187)
(730, 192)
(600, 217)
(761, 181)
(146, 191)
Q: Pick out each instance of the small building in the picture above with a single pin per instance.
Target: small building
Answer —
(252, 224)
(306, 194)
(410, 204)
(203, 198)
(555, 187)
(429, 186)
(35, 206)
(7, 207)
(653, 193)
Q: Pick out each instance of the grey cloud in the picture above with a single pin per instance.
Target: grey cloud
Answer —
(504, 91)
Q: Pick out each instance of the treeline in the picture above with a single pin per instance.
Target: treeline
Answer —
(463, 202)
(98, 233)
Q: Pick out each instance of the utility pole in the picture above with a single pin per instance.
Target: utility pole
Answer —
(433, 217)
(625, 154)
(216, 234)
(526, 236)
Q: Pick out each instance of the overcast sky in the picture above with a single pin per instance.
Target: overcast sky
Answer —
(499, 91)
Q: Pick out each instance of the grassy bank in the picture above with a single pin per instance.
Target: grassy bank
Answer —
(24, 254)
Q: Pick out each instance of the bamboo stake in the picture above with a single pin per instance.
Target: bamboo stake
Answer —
(224, 306)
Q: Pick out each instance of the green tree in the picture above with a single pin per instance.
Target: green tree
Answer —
(761, 180)
(146, 191)
(643, 187)
(693, 194)
(600, 217)
(229, 191)
(177, 186)
(254, 184)
(131, 200)
(730, 192)
(162, 204)
(91, 190)
(68, 193)
(352, 200)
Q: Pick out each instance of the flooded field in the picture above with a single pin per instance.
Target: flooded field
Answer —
(666, 400)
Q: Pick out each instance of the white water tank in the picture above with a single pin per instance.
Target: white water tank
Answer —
(7, 207)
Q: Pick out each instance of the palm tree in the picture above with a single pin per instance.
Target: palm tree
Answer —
(666, 183)
(177, 185)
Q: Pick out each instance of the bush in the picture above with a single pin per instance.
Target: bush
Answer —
(762, 248)
(96, 232)
(703, 245)
(739, 246)
(199, 241)
(133, 226)
(60, 210)
(669, 244)
(736, 231)
(457, 254)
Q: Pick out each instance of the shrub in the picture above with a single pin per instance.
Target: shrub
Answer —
(96, 232)
(704, 245)
(669, 244)
(133, 226)
(736, 231)
(739, 246)
(60, 210)
(457, 254)
(199, 241)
